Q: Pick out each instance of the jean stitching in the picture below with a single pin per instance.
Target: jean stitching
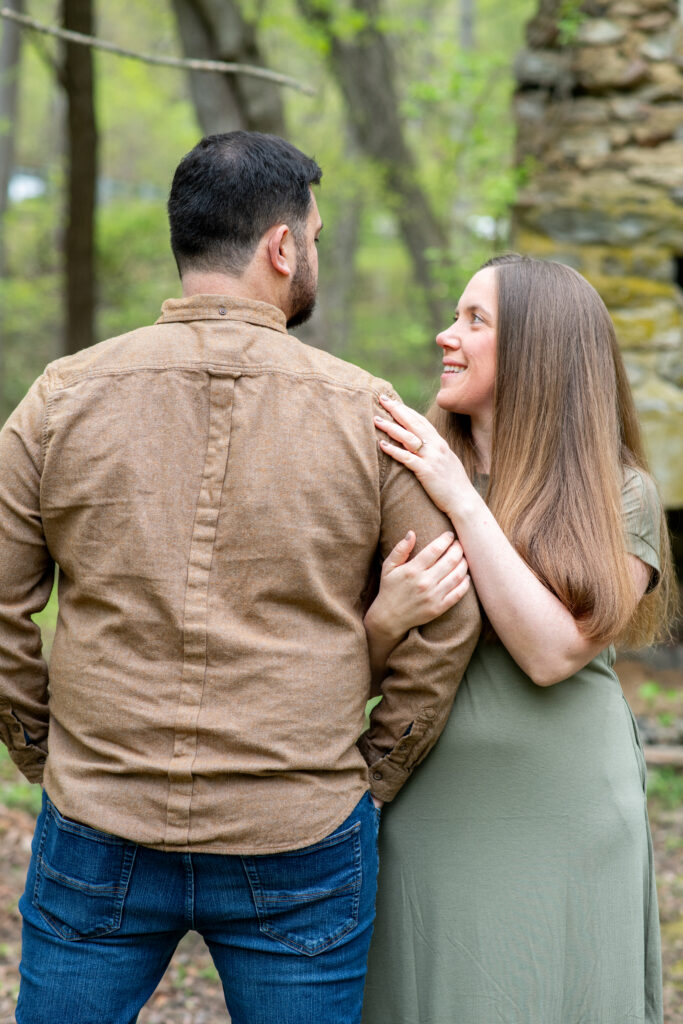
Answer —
(189, 890)
(315, 893)
(323, 844)
(358, 864)
(92, 888)
(85, 831)
(39, 856)
(354, 887)
(118, 892)
(256, 890)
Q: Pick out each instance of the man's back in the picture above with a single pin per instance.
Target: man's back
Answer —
(216, 500)
(214, 495)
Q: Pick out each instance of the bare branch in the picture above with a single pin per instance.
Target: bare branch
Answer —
(148, 58)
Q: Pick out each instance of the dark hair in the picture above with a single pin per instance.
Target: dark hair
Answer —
(229, 190)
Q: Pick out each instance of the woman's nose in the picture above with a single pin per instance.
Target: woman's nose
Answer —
(448, 338)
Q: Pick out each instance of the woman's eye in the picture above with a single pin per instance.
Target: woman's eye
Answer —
(455, 318)
(476, 319)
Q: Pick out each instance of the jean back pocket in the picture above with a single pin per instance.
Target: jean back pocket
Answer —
(308, 899)
(82, 877)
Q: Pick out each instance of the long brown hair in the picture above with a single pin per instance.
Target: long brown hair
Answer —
(565, 431)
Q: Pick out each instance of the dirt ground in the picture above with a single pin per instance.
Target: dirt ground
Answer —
(190, 992)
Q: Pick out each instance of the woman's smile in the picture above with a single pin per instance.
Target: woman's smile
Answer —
(469, 350)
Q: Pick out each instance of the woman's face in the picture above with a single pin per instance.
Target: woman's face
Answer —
(469, 350)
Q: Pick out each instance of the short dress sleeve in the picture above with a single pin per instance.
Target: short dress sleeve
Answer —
(641, 509)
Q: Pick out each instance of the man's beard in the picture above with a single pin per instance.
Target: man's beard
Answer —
(303, 288)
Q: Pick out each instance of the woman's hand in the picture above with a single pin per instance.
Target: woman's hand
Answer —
(414, 592)
(425, 452)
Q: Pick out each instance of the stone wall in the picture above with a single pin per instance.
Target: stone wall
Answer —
(600, 129)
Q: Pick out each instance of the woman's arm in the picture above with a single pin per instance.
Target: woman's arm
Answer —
(412, 593)
(539, 632)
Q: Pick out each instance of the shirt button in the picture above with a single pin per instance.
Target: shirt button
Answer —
(222, 310)
(429, 713)
(377, 775)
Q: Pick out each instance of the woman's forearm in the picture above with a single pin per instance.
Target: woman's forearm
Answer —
(535, 626)
(539, 632)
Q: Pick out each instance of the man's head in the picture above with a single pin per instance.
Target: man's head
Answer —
(240, 192)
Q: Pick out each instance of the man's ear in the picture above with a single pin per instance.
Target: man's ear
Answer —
(279, 249)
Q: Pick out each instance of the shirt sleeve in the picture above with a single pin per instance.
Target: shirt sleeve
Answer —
(642, 509)
(26, 578)
(425, 669)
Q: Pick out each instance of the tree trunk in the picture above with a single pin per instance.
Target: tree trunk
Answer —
(10, 50)
(363, 67)
(217, 30)
(331, 324)
(467, 24)
(79, 243)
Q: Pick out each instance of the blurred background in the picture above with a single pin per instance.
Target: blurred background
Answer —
(447, 130)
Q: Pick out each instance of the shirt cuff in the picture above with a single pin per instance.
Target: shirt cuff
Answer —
(31, 763)
(28, 757)
(388, 771)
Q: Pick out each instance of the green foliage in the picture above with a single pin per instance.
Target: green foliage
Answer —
(665, 785)
(373, 702)
(456, 106)
(571, 17)
(657, 697)
(30, 310)
(47, 619)
(15, 791)
(133, 236)
(135, 268)
(649, 692)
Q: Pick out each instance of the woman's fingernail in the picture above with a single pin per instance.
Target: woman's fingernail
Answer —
(379, 419)
(385, 398)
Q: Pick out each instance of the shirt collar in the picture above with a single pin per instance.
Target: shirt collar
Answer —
(222, 307)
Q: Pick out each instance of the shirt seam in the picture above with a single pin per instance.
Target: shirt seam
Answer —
(232, 369)
(222, 317)
(44, 426)
(645, 543)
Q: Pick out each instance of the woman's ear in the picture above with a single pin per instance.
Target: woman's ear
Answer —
(279, 244)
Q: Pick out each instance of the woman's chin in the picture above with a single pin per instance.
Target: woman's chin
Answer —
(445, 399)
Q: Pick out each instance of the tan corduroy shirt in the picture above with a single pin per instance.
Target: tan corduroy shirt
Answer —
(214, 496)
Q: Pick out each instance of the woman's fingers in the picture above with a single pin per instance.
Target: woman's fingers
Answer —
(400, 553)
(407, 438)
(408, 459)
(456, 594)
(433, 552)
(408, 418)
(454, 577)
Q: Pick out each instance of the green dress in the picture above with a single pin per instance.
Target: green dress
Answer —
(516, 878)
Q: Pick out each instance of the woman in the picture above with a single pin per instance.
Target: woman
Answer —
(516, 883)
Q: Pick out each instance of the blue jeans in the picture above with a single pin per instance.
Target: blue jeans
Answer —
(288, 933)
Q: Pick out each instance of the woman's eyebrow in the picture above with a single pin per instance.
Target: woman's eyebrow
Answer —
(476, 308)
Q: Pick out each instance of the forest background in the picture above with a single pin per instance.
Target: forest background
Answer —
(450, 85)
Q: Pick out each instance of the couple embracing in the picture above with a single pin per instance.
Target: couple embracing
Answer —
(252, 536)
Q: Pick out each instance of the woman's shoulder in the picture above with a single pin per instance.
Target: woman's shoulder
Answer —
(639, 493)
(642, 513)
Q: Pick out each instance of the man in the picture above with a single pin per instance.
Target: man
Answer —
(214, 496)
